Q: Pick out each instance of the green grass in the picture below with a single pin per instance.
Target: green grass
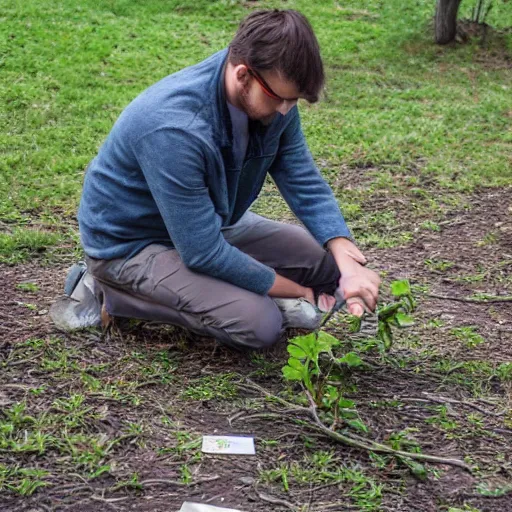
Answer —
(394, 101)
(23, 243)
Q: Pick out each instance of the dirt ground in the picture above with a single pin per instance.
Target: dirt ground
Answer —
(449, 388)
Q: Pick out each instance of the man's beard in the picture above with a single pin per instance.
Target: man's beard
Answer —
(253, 113)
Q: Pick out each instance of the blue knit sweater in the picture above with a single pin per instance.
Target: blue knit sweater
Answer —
(166, 175)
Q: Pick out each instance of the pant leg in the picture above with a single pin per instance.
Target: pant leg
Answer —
(166, 290)
(287, 248)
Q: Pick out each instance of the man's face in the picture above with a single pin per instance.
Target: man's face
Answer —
(263, 95)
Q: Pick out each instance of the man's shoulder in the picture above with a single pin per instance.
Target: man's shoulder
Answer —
(179, 101)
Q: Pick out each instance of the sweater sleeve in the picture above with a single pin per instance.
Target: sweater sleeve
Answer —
(303, 187)
(174, 167)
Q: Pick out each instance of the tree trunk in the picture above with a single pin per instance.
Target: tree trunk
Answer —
(446, 20)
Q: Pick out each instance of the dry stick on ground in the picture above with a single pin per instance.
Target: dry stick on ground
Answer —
(275, 501)
(469, 299)
(155, 481)
(446, 400)
(353, 439)
(17, 362)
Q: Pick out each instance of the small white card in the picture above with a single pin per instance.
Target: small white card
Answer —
(198, 507)
(231, 445)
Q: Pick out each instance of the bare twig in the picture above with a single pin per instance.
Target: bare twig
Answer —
(469, 299)
(252, 385)
(353, 439)
(17, 362)
(235, 417)
(147, 383)
(161, 481)
(444, 400)
(337, 507)
(21, 387)
(109, 500)
(275, 501)
(264, 415)
(369, 445)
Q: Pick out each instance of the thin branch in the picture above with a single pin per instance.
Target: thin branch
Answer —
(17, 362)
(444, 399)
(109, 500)
(353, 439)
(262, 415)
(275, 501)
(469, 299)
(252, 385)
(367, 444)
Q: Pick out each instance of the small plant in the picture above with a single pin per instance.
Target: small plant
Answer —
(481, 11)
(396, 314)
(27, 287)
(317, 360)
(23, 481)
(211, 387)
(468, 336)
(438, 265)
(430, 225)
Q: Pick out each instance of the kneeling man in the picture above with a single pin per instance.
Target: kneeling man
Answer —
(164, 216)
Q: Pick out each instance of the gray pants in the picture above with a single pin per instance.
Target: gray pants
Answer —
(156, 285)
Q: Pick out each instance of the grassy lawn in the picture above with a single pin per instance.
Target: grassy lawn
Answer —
(416, 141)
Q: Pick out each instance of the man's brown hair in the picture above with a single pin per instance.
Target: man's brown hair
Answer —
(281, 41)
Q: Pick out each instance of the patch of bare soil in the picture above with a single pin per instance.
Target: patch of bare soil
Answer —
(493, 53)
(176, 388)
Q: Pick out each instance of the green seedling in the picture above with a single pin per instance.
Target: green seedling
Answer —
(468, 336)
(27, 287)
(318, 362)
(439, 265)
(396, 314)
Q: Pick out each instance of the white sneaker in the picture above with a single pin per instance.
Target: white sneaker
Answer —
(299, 314)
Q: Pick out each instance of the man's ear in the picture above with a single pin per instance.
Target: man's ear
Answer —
(242, 75)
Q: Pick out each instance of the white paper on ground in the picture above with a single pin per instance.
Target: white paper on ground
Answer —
(198, 507)
(233, 445)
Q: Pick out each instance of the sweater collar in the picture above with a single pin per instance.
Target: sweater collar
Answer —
(221, 111)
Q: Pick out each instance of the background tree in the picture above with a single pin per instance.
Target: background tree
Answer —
(446, 20)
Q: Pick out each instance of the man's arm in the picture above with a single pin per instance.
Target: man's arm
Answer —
(174, 166)
(303, 187)
(312, 201)
(286, 288)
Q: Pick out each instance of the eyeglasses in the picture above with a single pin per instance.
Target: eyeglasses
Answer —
(266, 88)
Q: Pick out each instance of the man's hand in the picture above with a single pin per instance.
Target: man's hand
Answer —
(358, 284)
(360, 287)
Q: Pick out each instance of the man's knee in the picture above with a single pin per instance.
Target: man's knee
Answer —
(260, 327)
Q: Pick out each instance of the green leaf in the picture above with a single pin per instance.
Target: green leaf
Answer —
(345, 403)
(357, 424)
(296, 351)
(400, 288)
(389, 310)
(404, 320)
(385, 335)
(417, 469)
(484, 489)
(351, 359)
(295, 364)
(326, 342)
(331, 394)
(354, 323)
(349, 414)
(307, 344)
(291, 373)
